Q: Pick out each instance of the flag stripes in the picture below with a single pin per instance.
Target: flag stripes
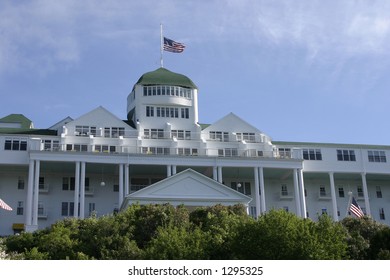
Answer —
(4, 205)
(355, 208)
(173, 46)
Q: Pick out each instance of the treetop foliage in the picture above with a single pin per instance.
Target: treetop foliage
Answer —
(218, 232)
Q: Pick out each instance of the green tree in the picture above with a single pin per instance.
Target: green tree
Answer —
(177, 243)
(280, 235)
(380, 245)
(360, 233)
(220, 223)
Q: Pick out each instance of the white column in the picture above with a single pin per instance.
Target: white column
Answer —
(195, 105)
(262, 191)
(36, 193)
(120, 194)
(297, 195)
(302, 193)
(169, 170)
(215, 173)
(257, 190)
(174, 169)
(127, 180)
(220, 174)
(76, 190)
(333, 195)
(82, 191)
(365, 193)
(30, 191)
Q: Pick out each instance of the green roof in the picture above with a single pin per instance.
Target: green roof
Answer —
(24, 122)
(163, 76)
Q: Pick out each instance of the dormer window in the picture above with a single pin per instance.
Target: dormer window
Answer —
(219, 136)
(245, 136)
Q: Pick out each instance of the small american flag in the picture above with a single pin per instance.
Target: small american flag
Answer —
(4, 205)
(355, 208)
(172, 46)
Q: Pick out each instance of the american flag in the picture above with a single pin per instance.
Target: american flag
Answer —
(355, 208)
(4, 205)
(172, 46)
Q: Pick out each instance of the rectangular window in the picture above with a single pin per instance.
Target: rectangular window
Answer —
(185, 113)
(322, 191)
(219, 136)
(146, 134)
(15, 144)
(346, 155)
(41, 183)
(82, 130)
(107, 132)
(181, 134)
(245, 136)
(64, 208)
(284, 190)
(46, 145)
(67, 209)
(8, 144)
(158, 112)
(382, 214)
(91, 208)
(65, 183)
(19, 208)
(341, 192)
(378, 192)
(376, 156)
(41, 209)
(312, 154)
(360, 192)
(149, 111)
(242, 187)
(114, 132)
(157, 133)
(284, 152)
(20, 183)
(231, 152)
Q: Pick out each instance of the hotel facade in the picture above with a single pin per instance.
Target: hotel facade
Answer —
(98, 164)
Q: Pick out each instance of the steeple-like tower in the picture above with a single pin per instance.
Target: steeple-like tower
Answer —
(162, 100)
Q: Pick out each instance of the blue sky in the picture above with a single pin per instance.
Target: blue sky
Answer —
(307, 71)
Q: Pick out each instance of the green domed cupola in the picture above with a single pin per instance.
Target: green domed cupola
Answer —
(162, 76)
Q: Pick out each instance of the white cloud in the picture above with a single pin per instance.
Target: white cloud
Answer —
(50, 34)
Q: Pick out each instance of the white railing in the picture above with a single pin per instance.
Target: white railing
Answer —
(157, 150)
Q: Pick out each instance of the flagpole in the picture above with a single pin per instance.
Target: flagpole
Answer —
(161, 46)
(349, 202)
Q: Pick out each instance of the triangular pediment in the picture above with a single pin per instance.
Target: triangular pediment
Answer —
(99, 118)
(232, 123)
(189, 188)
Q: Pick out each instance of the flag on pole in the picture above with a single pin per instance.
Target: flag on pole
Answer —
(355, 208)
(4, 205)
(173, 46)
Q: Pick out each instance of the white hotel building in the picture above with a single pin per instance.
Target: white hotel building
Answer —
(99, 163)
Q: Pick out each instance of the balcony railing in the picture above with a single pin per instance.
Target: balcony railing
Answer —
(43, 188)
(285, 195)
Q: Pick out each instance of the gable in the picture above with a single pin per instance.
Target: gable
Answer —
(99, 118)
(232, 123)
(189, 188)
(16, 121)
